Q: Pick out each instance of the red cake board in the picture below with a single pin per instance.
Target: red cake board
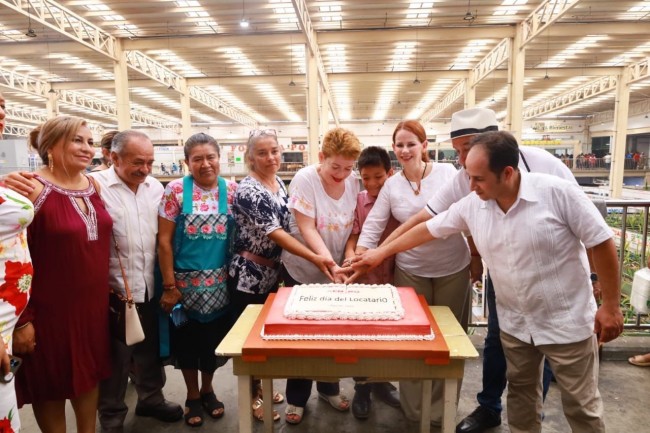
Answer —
(256, 349)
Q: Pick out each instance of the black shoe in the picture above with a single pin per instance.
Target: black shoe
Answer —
(361, 401)
(386, 392)
(478, 421)
(166, 411)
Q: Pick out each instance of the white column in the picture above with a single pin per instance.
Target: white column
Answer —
(312, 108)
(122, 102)
(470, 95)
(186, 119)
(621, 109)
(324, 114)
(516, 70)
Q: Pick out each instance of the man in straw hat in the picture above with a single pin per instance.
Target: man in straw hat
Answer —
(466, 124)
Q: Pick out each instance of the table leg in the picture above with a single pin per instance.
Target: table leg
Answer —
(425, 413)
(244, 400)
(267, 391)
(450, 406)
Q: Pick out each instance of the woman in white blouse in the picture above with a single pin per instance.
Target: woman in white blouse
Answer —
(439, 270)
(322, 202)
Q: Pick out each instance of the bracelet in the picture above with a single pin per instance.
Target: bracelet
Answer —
(22, 326)
(169, 287)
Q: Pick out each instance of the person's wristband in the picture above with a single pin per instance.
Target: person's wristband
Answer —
(169, 287)
(593, 277)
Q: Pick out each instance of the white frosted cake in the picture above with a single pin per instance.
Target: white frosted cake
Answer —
(353, 312)
(344, 302)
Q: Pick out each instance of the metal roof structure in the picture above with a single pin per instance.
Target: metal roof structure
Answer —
(247, 61)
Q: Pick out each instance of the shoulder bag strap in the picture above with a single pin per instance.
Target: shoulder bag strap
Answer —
(127, 289)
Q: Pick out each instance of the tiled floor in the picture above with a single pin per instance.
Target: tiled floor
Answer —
(625, 390)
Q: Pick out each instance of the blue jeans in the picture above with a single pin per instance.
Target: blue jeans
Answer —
(494, 361)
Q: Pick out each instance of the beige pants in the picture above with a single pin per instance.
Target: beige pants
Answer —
(451, 291)
(575, 366)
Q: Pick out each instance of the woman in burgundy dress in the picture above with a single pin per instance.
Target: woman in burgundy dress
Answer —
(64, 329)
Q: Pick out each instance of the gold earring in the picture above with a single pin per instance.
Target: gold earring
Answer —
(50, 162)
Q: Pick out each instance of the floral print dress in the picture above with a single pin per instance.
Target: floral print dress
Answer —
(16, 212)
(258, 212)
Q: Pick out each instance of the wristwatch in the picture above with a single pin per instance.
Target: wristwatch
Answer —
(594, 277)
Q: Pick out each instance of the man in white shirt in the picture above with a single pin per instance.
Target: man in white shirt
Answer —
(132, 197)
(528, 228)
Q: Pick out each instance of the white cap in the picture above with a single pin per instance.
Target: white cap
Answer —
(473, 121)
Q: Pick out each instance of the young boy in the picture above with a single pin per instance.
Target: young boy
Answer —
(374, 167)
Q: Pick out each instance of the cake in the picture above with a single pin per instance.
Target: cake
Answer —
(344, 302)
(381, 313)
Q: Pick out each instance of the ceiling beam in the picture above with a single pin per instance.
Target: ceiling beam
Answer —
(209, 100)
(77, 28)
(344, 36)
(26, 84)
(456, 92)
(352, 77)
(639, 70)
(578, 94)
(302, 13)
(635, 109)
(64, 21)
(25, 115)
(490, 62)
(17, 130)
(544, 16)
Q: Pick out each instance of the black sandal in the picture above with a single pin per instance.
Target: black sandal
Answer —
(210, 403)
(193, 410)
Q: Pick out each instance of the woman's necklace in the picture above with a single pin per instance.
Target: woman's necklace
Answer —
(419, 184)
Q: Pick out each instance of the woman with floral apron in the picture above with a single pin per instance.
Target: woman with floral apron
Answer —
(194, 237)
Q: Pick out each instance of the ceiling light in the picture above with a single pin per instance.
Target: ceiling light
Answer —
(469, 16)
(54, 91)
(171, 87)
(244, 23)
(30, 33)
(292, 84)
(416, 81)
(546, 77)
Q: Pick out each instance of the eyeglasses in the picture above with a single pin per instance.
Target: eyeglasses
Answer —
(258, 132)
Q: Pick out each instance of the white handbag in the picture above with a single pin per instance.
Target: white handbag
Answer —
(133, 332)
(640, 295)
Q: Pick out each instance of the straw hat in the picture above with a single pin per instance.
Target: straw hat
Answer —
(473, 121)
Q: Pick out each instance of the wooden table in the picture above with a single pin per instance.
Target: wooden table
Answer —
(325, 368)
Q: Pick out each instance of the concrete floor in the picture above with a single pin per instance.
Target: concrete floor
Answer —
(625, 390)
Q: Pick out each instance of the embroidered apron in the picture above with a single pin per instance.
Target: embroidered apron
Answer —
(202, 246)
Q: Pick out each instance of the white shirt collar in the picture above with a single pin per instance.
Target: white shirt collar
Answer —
(113, 179)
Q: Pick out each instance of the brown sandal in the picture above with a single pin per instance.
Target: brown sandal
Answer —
(258, 411)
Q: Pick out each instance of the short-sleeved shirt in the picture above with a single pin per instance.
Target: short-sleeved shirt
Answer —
(434, 259)
(333, 218)
(203, 201)
(537, 261)
(258, 212)
(531, 160)
(384, 273)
